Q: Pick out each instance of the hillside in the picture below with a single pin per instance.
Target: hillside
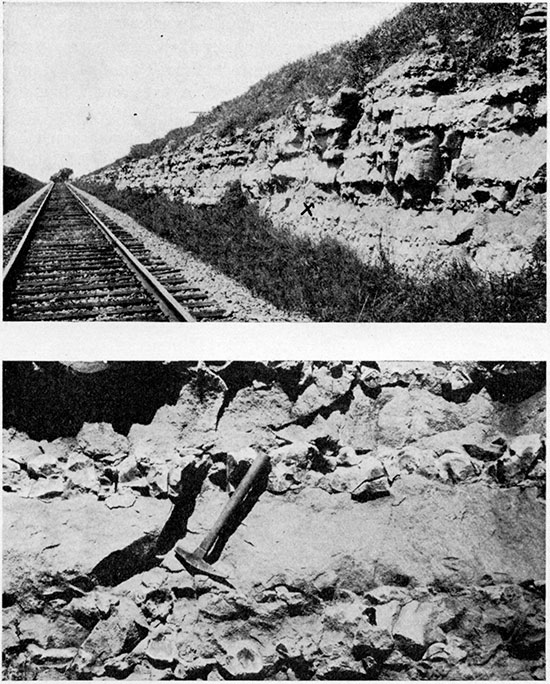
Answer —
(356, 62)
(422, 145)
(18, 187)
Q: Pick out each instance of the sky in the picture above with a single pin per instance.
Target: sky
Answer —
(83, 81)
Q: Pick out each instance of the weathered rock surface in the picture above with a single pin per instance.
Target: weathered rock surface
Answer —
(415, 163)
(119, 633)
(100, 441)
(70, 537)
(440, 577)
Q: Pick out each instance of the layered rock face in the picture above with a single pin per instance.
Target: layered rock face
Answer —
(399, 533)
(415, 165)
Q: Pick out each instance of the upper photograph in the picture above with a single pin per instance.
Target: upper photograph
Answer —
(346, 162)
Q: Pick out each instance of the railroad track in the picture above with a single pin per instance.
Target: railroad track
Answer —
(66, 261)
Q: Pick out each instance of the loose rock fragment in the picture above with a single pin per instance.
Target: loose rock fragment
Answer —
(162, 649)
(374, 482)
(487, 452)
(243, 660)
(51, 656)
(43, 465)
(456, 466)
(121, 499)
(119, 633)
(46, 488)
(371, 640)
(415, 630)
(101, 442)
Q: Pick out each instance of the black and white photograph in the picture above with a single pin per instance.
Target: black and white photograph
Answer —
(294, 520)
(319, 182)
(251, 162)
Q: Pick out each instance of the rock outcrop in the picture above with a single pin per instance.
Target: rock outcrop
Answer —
(415, 165)
(400, 533)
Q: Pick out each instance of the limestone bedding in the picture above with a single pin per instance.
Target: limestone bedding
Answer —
(415, 165)
(399, 533)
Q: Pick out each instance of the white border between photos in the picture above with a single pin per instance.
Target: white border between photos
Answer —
(274, 341)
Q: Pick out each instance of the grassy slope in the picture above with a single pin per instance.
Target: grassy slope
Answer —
(472, 33)
(326, 280)
(18, 187)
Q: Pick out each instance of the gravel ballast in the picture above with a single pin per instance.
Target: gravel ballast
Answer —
(12, 217)
(228, 293)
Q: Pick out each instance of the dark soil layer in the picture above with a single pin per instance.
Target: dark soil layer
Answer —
(18, 187)
(325, 279)
(49, 401)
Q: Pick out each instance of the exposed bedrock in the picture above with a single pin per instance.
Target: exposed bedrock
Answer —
(414, 165)
(398, 534)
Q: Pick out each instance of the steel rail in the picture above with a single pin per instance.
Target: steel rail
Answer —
(167, 303)
(24, 243)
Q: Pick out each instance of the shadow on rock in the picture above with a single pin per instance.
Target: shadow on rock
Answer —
(257, 489)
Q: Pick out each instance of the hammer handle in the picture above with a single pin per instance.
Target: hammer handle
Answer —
(231, 506)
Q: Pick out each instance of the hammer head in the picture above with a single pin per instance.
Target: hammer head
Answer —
(196, 564)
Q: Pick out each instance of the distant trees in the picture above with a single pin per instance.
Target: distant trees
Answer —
(62, 175)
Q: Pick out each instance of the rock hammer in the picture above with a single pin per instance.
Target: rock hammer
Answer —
(195, 560)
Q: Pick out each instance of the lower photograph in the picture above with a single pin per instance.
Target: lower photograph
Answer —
(280, 520)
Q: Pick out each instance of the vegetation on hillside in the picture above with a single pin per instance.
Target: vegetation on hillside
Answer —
(18, 187)
(472, 32)
(325, 279)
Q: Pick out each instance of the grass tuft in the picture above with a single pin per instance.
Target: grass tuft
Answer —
(325, 279)
(475, 34)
